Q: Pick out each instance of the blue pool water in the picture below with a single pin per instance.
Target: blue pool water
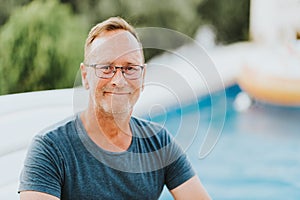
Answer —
(257, 155)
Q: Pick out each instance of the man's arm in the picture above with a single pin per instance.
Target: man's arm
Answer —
(33, 195)
(41, 175)
(191, 189)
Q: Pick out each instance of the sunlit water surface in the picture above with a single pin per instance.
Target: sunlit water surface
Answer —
(257, 155)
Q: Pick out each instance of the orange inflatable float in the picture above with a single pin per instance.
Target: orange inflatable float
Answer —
(272, 78)
(270, 89)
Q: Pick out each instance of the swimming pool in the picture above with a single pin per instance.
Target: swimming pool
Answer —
(257, 155)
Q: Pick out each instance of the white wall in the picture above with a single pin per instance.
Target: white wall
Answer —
(273, 21)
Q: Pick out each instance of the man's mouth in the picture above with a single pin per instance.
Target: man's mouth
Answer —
(116, 93)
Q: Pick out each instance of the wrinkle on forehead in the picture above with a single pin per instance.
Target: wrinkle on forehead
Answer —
(113, 45)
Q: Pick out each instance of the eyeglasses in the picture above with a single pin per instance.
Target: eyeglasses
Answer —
(131, 71)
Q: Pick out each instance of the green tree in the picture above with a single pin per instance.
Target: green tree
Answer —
(41, 48)
(7, 6)
(230, 18)
(176, 15)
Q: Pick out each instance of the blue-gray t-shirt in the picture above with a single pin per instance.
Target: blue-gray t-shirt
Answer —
(63, 161)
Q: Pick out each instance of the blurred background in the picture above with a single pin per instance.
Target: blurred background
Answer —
(42, 41)
(244, 121)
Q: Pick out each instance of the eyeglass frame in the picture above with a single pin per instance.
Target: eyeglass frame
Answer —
(115, 67)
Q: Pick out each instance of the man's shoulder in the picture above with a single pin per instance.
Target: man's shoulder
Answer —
(59, 130)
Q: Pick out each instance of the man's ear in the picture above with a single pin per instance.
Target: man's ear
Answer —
(84, 79)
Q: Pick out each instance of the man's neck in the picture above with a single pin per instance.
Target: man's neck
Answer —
(109, 131)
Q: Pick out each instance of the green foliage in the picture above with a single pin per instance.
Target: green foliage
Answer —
(41, 48)
(42, 42)
(230, 18)
(7, 6)
(176, 15)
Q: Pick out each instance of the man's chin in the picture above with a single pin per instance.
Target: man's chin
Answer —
(118, 110)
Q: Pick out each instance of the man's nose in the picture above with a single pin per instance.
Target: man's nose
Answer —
(118, 78)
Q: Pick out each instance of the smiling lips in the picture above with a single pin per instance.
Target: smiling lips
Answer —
(117, 93)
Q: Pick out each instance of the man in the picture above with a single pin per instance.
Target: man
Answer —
(104, 152)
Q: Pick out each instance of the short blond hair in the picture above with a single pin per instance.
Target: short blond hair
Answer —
(111, 24)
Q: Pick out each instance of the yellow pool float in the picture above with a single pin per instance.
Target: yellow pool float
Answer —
(272, 76)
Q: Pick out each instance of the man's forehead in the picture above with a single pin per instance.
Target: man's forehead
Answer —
(119, 37)
(114, 43)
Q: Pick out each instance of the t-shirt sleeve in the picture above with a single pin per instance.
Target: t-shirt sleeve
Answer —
(180, 170)
(42, 170)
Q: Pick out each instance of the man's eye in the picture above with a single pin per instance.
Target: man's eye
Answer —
(106, 69)
(131, 68)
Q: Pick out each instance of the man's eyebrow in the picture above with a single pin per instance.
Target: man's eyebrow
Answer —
(130, 63)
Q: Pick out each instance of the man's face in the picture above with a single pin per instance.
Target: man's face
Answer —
(117, 94)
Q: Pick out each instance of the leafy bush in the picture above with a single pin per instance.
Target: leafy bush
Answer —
(7, 6)
(176, 15)
(230, 18)
(41, 48)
